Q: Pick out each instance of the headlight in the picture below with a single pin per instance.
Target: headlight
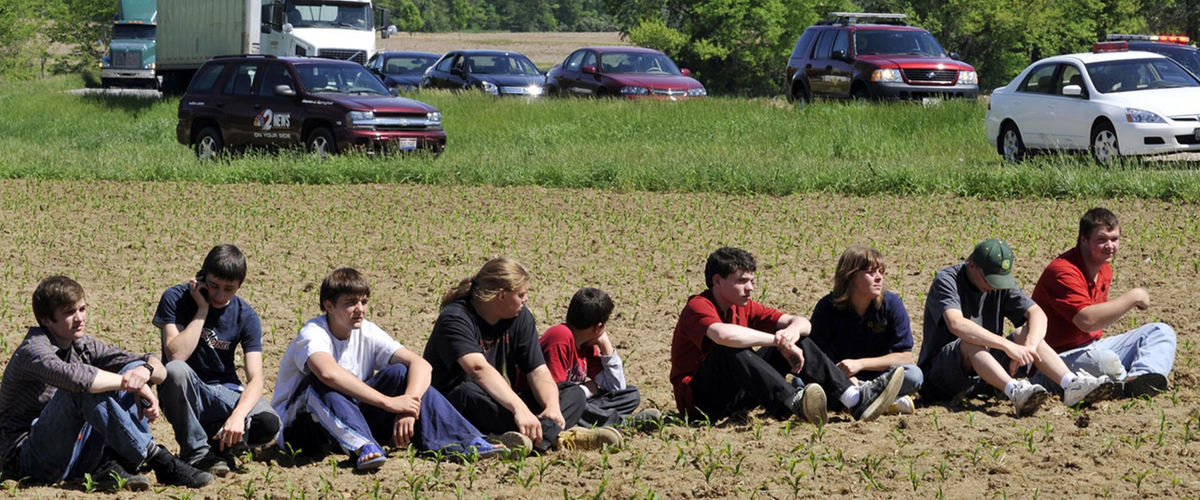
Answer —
(434, 117)
(360, 119)
(968, 78)
(634, 90)
(697, 92)
(1134, 115)
(490, 88)
(534, 90)
(886, 75)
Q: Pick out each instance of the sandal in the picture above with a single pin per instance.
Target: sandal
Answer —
(370, 457)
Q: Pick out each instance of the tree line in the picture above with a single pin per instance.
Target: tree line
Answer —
(733, 46)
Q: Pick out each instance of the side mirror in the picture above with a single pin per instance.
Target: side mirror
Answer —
(838, 55)
(954, 55)
(391, 30)
(287, 27)
(395, 91)
(685, 72)
(591, 70)
(1072, 91)
(284, 90)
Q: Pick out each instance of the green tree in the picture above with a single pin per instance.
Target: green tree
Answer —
(405, 15)
(19, 26)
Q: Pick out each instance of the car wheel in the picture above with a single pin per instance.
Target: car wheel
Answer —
(1012, 148)
(1105, 148)
(208, 144)
(800, 99)
(320, 142)
(860, 93)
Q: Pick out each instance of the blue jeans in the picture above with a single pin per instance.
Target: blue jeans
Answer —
(1149, 348)
(197, 410)
(69, 436)
(352, 424)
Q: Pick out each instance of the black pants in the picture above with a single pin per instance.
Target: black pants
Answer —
(474, 403)
(732, 379)
(608, 407)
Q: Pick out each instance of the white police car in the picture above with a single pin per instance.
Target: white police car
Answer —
(1111, 102)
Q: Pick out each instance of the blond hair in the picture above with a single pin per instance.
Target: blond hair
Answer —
(496, 275)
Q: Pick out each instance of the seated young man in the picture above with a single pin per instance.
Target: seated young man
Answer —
(343, 379)
(484, 346)
(580, 352)
(716, 372)
(964, 337)
(865, 328)
(1073, 290)
(71, 405)
(203, 322)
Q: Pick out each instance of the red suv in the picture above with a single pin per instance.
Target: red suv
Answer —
(884, 58)
(327, 105)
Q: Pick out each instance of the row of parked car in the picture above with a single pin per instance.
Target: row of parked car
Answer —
(330, 105)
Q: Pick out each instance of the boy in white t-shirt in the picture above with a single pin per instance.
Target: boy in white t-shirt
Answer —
(345, 380)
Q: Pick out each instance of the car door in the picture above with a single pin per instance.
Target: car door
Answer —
(819, 67)
(840, 72)
(459, 72)
(566, 79)
(590, 83)
(1030, 103)
(1072, 115)
(238, 107)
(436, 76)
(280, 116)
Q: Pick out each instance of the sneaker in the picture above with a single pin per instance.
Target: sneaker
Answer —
(171, 470)
(1088, 389)
(580, 438)
(1027, 397)
(903, 405)
(648, 419)
(111, 474)
(1144, 384)
(515, 443)
(877, 394)
(215, 463)
(809, 402)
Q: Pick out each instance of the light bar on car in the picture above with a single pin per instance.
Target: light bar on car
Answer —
(1180, 39)
(1110, 47)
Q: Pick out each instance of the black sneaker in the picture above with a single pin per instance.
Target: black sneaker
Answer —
(1144, 384)
(171, 470)
(649, 419)
(112, 475)
(876, 395)
(809, 402)
(215, 463)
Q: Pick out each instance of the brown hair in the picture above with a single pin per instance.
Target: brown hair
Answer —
(52, 294)
(344, 281)
(854, 259)
(1094, 218)
(496, 275)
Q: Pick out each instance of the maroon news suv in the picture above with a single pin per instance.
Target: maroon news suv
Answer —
(878, 56)
(327, 105)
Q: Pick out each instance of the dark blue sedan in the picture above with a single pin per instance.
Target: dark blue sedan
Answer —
(495, 72)
(401, 70)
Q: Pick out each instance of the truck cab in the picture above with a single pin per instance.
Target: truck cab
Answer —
(130, 61)
(343, 29)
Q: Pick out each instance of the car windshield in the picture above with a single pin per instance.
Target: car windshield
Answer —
(133, 32)
(407, 65)
(896, 42)
(1189, 58)
(637, 62)
(1139, 74)
(317, 14)
(339, 78)
(510, 64)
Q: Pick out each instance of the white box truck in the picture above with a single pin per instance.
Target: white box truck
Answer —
(193, 31)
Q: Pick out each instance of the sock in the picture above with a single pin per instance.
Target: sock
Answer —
(1067, 380)
(1008, 388)
(850, 398)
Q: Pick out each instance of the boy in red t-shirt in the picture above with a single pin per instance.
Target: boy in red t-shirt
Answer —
(579, 351)
(716, 371)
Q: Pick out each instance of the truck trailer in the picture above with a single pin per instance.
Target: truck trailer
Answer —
(191, 32)
(130, 59)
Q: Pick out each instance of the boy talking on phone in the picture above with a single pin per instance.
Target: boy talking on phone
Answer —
(202, 323)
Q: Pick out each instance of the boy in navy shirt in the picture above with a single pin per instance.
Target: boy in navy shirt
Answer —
(202, 322)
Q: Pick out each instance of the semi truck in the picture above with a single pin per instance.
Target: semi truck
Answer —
(191, 32)
(130, 59)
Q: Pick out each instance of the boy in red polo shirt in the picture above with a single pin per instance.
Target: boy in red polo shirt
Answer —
(716, 371)
(1073, 290)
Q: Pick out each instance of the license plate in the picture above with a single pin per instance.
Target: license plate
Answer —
(406, 144)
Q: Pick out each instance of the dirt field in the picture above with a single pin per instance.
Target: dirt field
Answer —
(127, 242)
(544, 49)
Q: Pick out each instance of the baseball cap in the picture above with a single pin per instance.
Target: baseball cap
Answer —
(995, 258)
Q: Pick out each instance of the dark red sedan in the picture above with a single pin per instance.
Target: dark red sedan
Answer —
(631, 72)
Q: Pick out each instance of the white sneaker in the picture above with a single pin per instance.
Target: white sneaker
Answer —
(1088, 389)
(903, 405)
(1027, 397)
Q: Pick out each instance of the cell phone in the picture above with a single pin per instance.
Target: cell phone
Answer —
(144, 402)
(200, 282)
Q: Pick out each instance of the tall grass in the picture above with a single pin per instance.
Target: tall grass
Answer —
(719, 144)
